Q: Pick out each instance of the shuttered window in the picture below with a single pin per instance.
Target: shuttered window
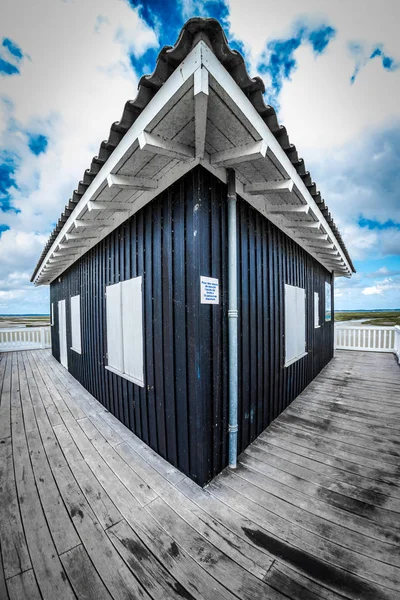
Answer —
(76, 324)
(125, 329)
(295, 323)
(316, 310)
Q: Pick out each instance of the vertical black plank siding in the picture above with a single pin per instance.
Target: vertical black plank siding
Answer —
(269, 260)
(182, 411)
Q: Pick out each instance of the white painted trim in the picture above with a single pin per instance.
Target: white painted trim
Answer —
(295, 359)
(177, 84)
(125, 376)
(200, 59)
(201, 94)
(239, 103)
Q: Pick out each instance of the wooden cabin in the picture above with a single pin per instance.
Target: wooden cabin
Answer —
(192, 271)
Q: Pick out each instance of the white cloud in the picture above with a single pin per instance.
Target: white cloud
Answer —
(318, 106)
(74, 85)
(382, 287)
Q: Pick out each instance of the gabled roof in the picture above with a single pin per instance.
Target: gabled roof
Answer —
(210, 33)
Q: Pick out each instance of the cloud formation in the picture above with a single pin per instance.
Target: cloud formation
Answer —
(65, 79)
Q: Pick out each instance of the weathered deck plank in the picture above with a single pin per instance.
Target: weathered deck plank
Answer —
(311, 513)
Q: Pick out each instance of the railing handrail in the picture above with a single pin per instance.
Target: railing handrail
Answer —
(11, 329)
(360, 326)
(25, 338)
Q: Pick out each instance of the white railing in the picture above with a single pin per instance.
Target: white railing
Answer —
(27, 338)
(397, 342)
(367, 338)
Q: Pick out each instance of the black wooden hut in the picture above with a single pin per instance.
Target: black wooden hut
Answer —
(192, 271)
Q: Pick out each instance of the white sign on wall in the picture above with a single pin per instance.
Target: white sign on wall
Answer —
(209, 290)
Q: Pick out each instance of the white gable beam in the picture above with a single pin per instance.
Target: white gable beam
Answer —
(284, 186)
(201, 94)
(157, 145)
(240, 154)
(124, 182)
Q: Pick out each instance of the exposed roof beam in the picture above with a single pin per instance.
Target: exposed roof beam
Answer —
(301, 224)
(63, 254)
(288, 208)
(321, 245)
(71, 246)
(157, 145)
(240, 154)
(79, 236)
(313, 236)
(328, 252)
(92, 224)
(109, 206)
(135, 183)
(283, 186)
(201, 94)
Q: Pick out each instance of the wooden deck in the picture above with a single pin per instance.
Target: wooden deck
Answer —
(88, 511)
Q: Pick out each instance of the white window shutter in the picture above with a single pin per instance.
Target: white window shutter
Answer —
(114, 327)
(301, 320)
(132, 324)
(316, 309)
(76, 323)
(290, 323)
(295, 323)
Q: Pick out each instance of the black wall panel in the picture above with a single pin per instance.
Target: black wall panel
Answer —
(182, 412)
(267, 260)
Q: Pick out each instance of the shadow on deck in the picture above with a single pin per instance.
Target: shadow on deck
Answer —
(89, 511)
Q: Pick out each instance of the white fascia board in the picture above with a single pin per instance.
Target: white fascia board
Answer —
(239, 103)
(179, 81)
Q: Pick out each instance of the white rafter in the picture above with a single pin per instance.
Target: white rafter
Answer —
(240, 154)
(157, 145)
(281, 186)
(124, 182)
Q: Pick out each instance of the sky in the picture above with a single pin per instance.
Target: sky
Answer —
(331, 70)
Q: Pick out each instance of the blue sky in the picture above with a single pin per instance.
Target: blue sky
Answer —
(332, 71)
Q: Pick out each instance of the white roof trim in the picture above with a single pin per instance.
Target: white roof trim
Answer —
(194, 72)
